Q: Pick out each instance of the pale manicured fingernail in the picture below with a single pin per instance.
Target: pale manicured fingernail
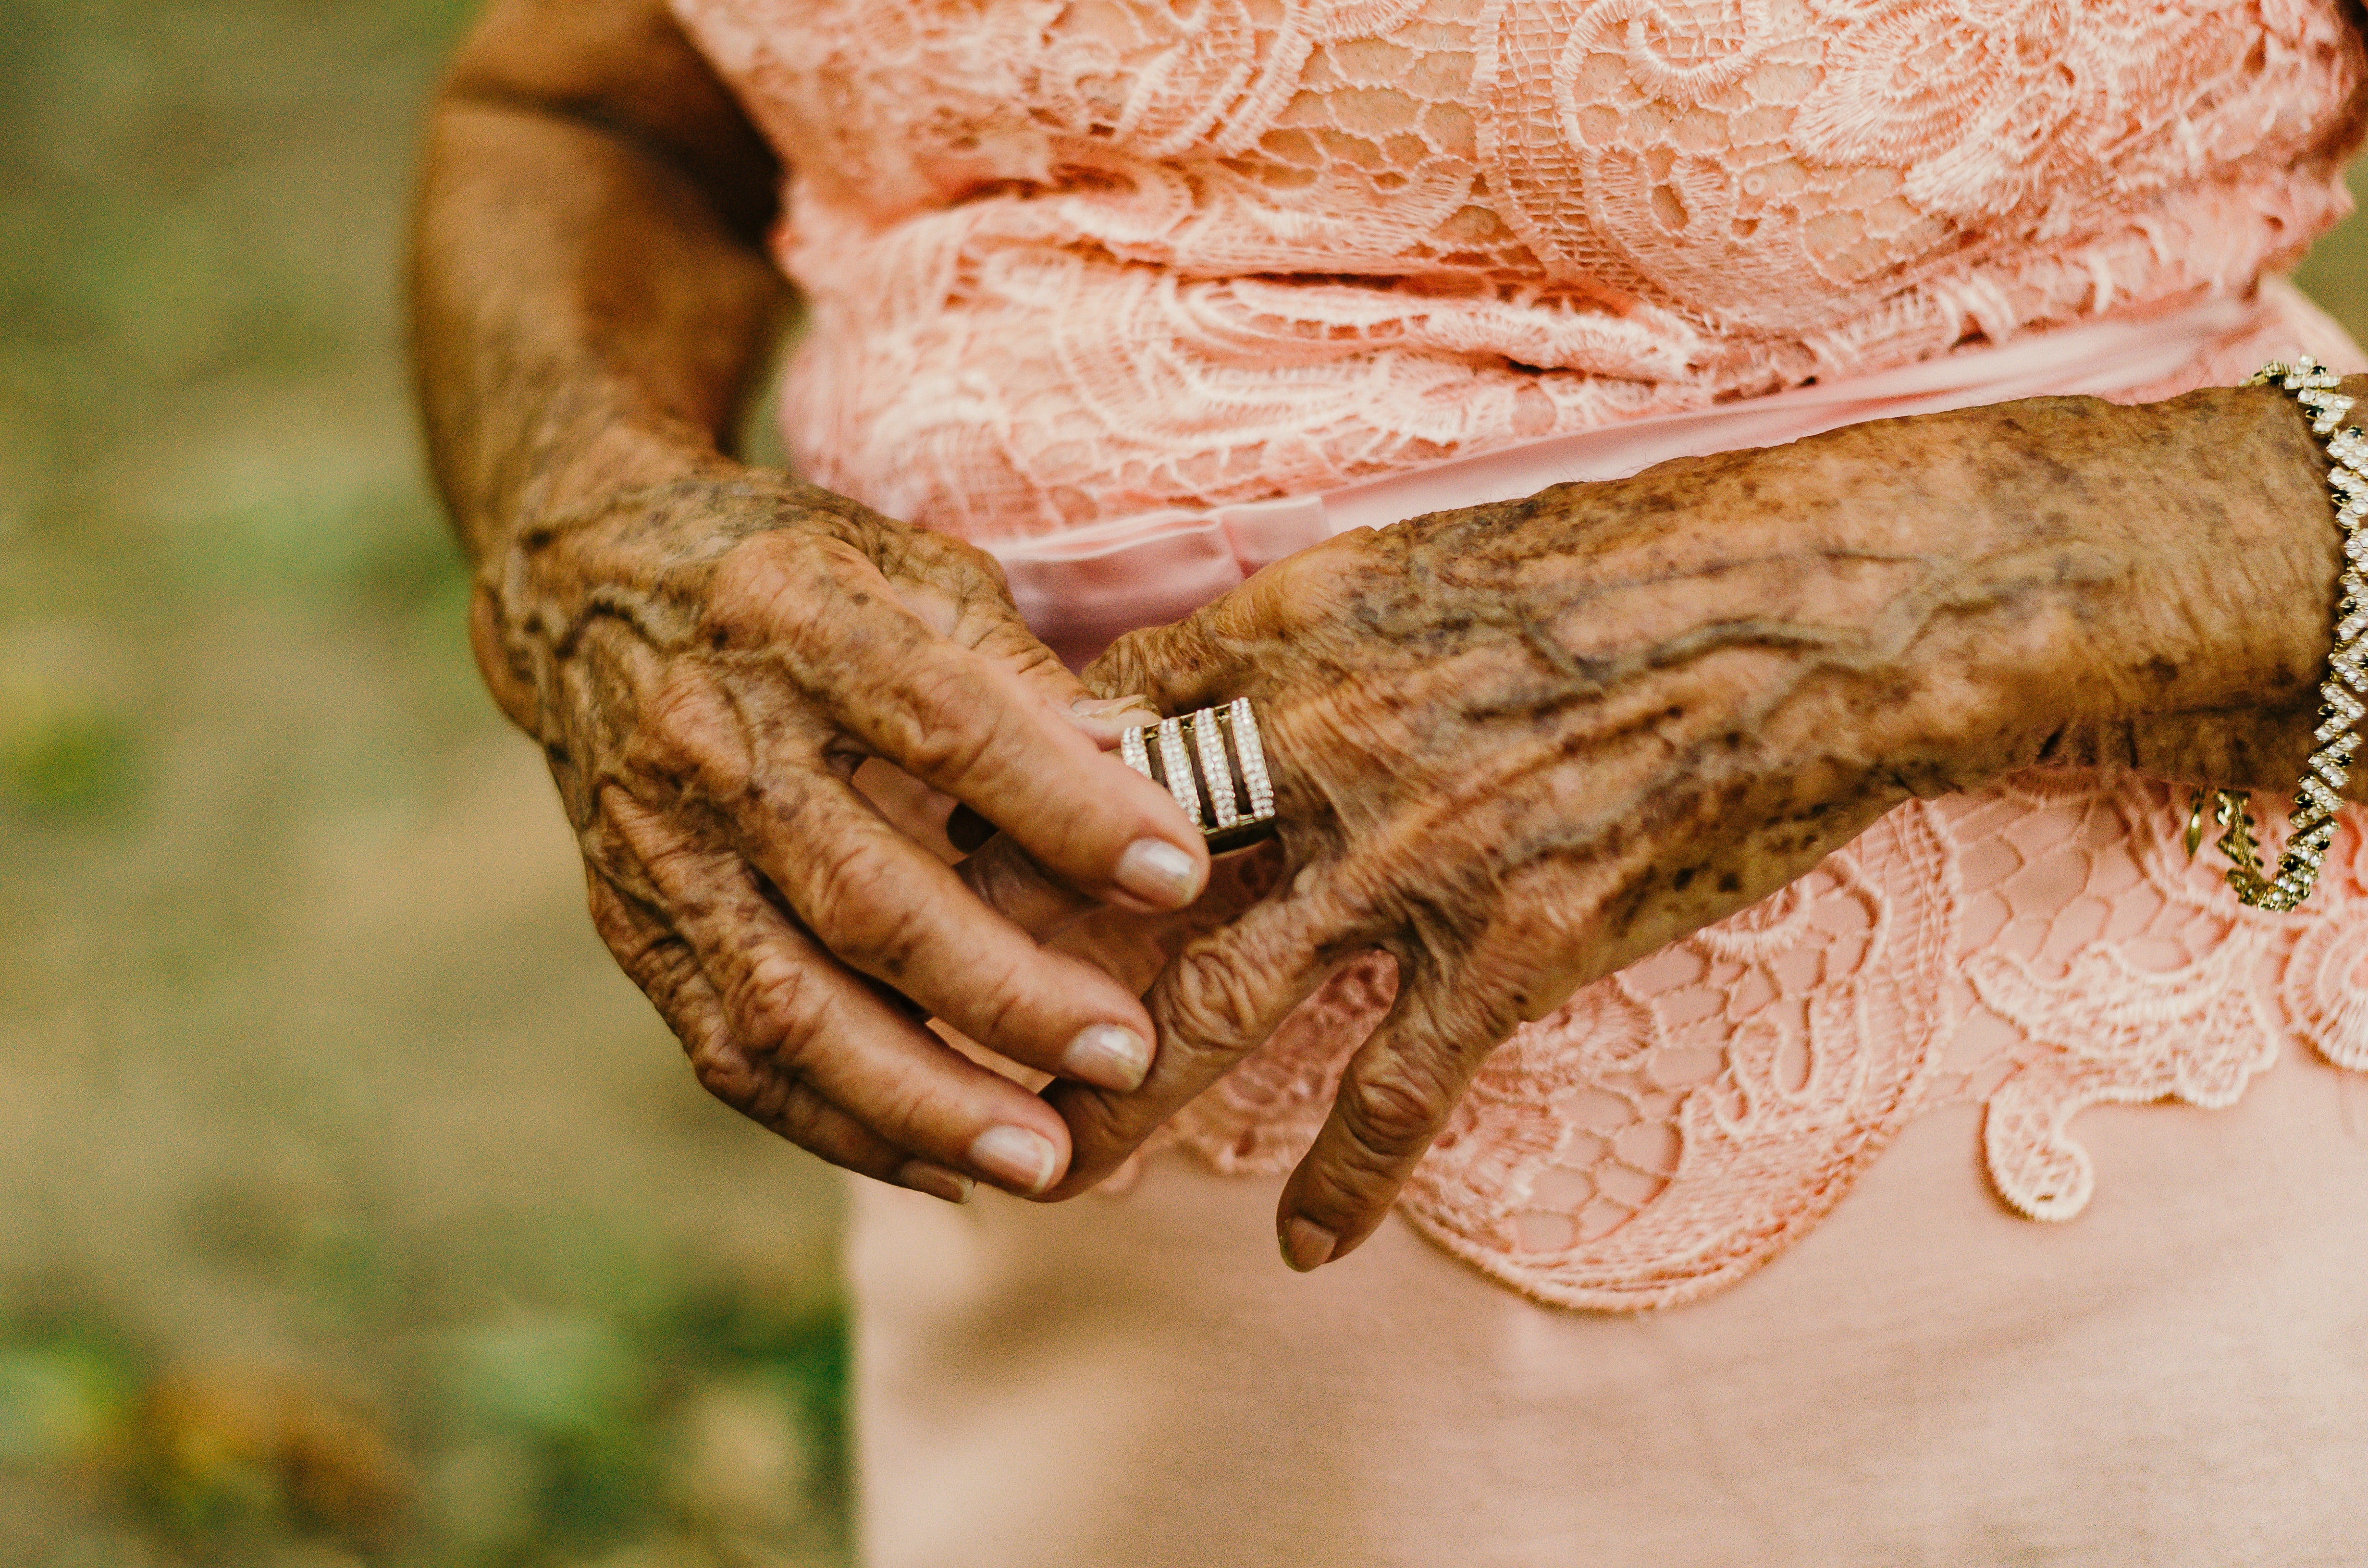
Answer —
(936, 1180)
(1015, 1156)
(1158, 872)
(1306, 1246)
(1108, 1057)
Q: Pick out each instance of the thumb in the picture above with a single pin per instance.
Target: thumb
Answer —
(1173, 669)
(1003, 636)
(1214, 654)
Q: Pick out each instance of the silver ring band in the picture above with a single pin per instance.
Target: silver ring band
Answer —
(1214, 763)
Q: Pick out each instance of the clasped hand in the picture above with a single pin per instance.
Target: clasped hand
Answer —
(1519, 747)
(708, 663)
(1516, 748)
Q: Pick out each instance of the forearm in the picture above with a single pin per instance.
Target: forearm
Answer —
(2052, 581)
(2201, 657)
(591, 301)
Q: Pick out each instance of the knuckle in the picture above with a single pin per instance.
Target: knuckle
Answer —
(611, 919)
(1123, 667)
(767, 1095)
(752, 582)
(689, 729)
(730, 1073)
(792, 1110)
(858, 917)
(1104, 1130)
(788, 591)
(1003, 1012)
(674, 869)
(681, 705)
(773, 1000)
(1016, 649)
(1390, 1112)
(946, 554)
(1211, 1003)
(657, 961)
(950, 730)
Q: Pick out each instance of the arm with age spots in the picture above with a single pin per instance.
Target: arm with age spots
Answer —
(1520, 746)
(708, 652)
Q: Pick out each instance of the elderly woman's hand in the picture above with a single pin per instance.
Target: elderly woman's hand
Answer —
(1520, 746)
(707, 662)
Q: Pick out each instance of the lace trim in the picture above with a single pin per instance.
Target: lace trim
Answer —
(1074, 262)
(2037, 950)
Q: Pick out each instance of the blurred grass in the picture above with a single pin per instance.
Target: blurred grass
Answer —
(352, 1208)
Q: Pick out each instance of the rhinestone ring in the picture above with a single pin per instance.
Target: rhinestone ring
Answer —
(1214, 764)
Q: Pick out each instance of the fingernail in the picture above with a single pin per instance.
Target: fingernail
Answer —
(1158, 872)
(1108, 1057)
(1015, 1156)
(936, 1180)
(1306, 1246)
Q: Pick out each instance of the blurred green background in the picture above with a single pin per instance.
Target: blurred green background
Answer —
(352, 1208)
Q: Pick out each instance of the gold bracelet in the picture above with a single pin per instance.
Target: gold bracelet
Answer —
(2311, 827)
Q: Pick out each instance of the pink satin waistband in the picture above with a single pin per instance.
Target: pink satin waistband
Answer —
(1083, 587)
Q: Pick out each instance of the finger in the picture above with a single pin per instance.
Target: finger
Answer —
(911, 807)
(979, 614)
(961, 721)
(992, 625)
(1394, 1096)
(791, 1007)
(1214, 654)
(1131, 949)
(885, 907)
(1220, 998)
(1001, 876)
(1102, 720)
(664, 966)
(969, 727)
(997, 630)
(1190, 664)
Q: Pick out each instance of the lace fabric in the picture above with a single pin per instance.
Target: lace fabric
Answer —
(1068, 262)
(1073, 261)
(2037, 949)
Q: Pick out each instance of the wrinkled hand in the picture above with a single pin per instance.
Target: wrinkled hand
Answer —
(707, 663)
(1520, 746)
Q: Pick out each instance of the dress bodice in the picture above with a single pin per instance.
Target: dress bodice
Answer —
(1073, 260)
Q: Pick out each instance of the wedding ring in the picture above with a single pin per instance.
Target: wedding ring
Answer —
(1214, 763)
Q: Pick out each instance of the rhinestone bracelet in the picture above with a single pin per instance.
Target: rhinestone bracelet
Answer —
(1218, 775)
(2311, 827)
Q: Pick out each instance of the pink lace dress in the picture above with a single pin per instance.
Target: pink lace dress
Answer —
(1072, 262)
